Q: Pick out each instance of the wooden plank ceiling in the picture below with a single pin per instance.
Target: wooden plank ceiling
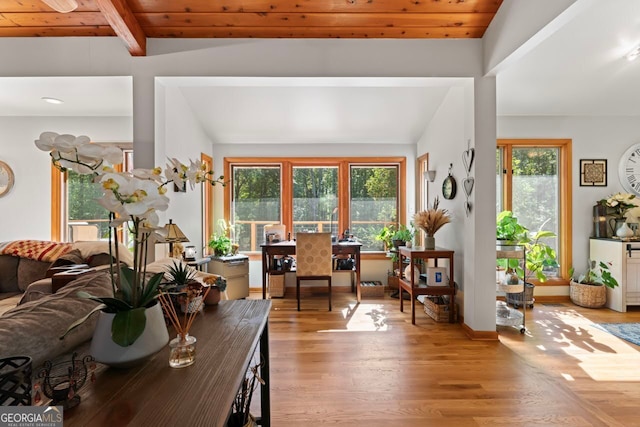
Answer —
(135, 20)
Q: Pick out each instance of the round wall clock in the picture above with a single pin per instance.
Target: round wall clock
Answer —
(629, 170)
(6, 178)
(449, 186)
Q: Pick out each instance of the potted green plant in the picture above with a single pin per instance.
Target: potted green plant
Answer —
(508, 229)
(402, 235)
(179, 275)
(385, 235)
(539, 256)
(221, 242)
(590, 289)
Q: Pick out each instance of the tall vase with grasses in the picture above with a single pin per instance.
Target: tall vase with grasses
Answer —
(430, 221)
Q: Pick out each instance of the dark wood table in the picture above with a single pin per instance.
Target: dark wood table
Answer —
(413, 255)
(288, 247)
(154, 394)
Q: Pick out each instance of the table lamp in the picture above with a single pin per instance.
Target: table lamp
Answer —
(173, 235)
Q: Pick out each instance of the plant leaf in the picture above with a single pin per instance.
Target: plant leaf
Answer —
(127, 326)
(81, 320)
(151, 289)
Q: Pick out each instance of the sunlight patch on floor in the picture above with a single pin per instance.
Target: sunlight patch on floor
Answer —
(602, 356)
(364, 317)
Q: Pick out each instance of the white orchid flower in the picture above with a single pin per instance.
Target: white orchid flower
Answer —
(136, 195)
(176, 172)
(45, 142)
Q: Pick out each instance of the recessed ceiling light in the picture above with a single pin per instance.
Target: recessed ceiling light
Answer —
(52, 100)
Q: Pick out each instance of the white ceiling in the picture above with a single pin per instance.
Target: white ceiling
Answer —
(313, 110)
(82, 96)
(580, 69)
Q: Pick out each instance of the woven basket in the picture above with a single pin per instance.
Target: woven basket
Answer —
(588, 295)
(438, 309)
(372, 289)
(276, 285)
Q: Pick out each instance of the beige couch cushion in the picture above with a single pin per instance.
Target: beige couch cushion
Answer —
(30, 270)
(33, 329)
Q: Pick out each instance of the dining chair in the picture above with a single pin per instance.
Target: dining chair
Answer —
(313, 260)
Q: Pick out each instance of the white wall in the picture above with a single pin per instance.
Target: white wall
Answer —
(181, 137)
(593, 138)
(25, 213)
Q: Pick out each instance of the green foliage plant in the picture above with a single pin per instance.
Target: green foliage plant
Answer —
(403, 233)
(598, 274)
(179, 274)
(508, 228)
(385, 235)
(539, 255)
(220, 242)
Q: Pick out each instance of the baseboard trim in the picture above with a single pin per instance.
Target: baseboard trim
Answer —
(479, 335)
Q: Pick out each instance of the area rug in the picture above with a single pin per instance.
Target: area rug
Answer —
(627, 331)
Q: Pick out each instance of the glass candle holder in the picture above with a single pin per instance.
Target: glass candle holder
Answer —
(182, 351)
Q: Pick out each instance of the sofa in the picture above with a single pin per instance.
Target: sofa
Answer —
(34, 327)
(24, 265)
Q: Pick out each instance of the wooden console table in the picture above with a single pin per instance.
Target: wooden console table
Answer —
(154, 394)
(414, 289)
(289, 248)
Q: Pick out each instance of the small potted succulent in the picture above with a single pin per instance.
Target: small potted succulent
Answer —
(590, 289)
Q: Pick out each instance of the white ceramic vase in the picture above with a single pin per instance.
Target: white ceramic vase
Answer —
(624, 231)
(152, 340)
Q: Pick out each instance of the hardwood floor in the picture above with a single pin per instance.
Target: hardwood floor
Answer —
(366, 365)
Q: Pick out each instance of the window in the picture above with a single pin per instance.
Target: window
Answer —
(256, 202)
(319, 194)
(374, 202)
(315, 195)
(533, 180)
(75, 214)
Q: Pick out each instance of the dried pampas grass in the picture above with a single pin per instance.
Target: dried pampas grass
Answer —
(432, 219)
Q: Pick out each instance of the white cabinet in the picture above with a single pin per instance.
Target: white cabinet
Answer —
(235, 269)
(625, 267)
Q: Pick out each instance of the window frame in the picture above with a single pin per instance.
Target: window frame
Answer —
(59, 194)
(343, 163)
(565, 189)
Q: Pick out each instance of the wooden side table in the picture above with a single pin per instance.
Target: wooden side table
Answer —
(58, 280)
(414, 288)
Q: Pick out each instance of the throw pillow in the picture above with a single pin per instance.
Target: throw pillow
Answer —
(72, 257)
(30, 270)
(99, 259)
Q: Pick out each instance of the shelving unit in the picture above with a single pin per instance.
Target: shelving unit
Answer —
(418, 255)
(505, 315)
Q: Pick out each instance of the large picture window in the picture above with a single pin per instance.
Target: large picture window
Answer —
(374, 202)
(360, 195)
(256, 202)
(533, 180)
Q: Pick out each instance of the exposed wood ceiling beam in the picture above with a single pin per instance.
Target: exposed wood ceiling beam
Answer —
(126, 26)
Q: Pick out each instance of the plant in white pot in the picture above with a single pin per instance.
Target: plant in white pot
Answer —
(590, 289)
(133, 198)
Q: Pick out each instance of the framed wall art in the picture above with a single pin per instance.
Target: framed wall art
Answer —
(593, 172)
